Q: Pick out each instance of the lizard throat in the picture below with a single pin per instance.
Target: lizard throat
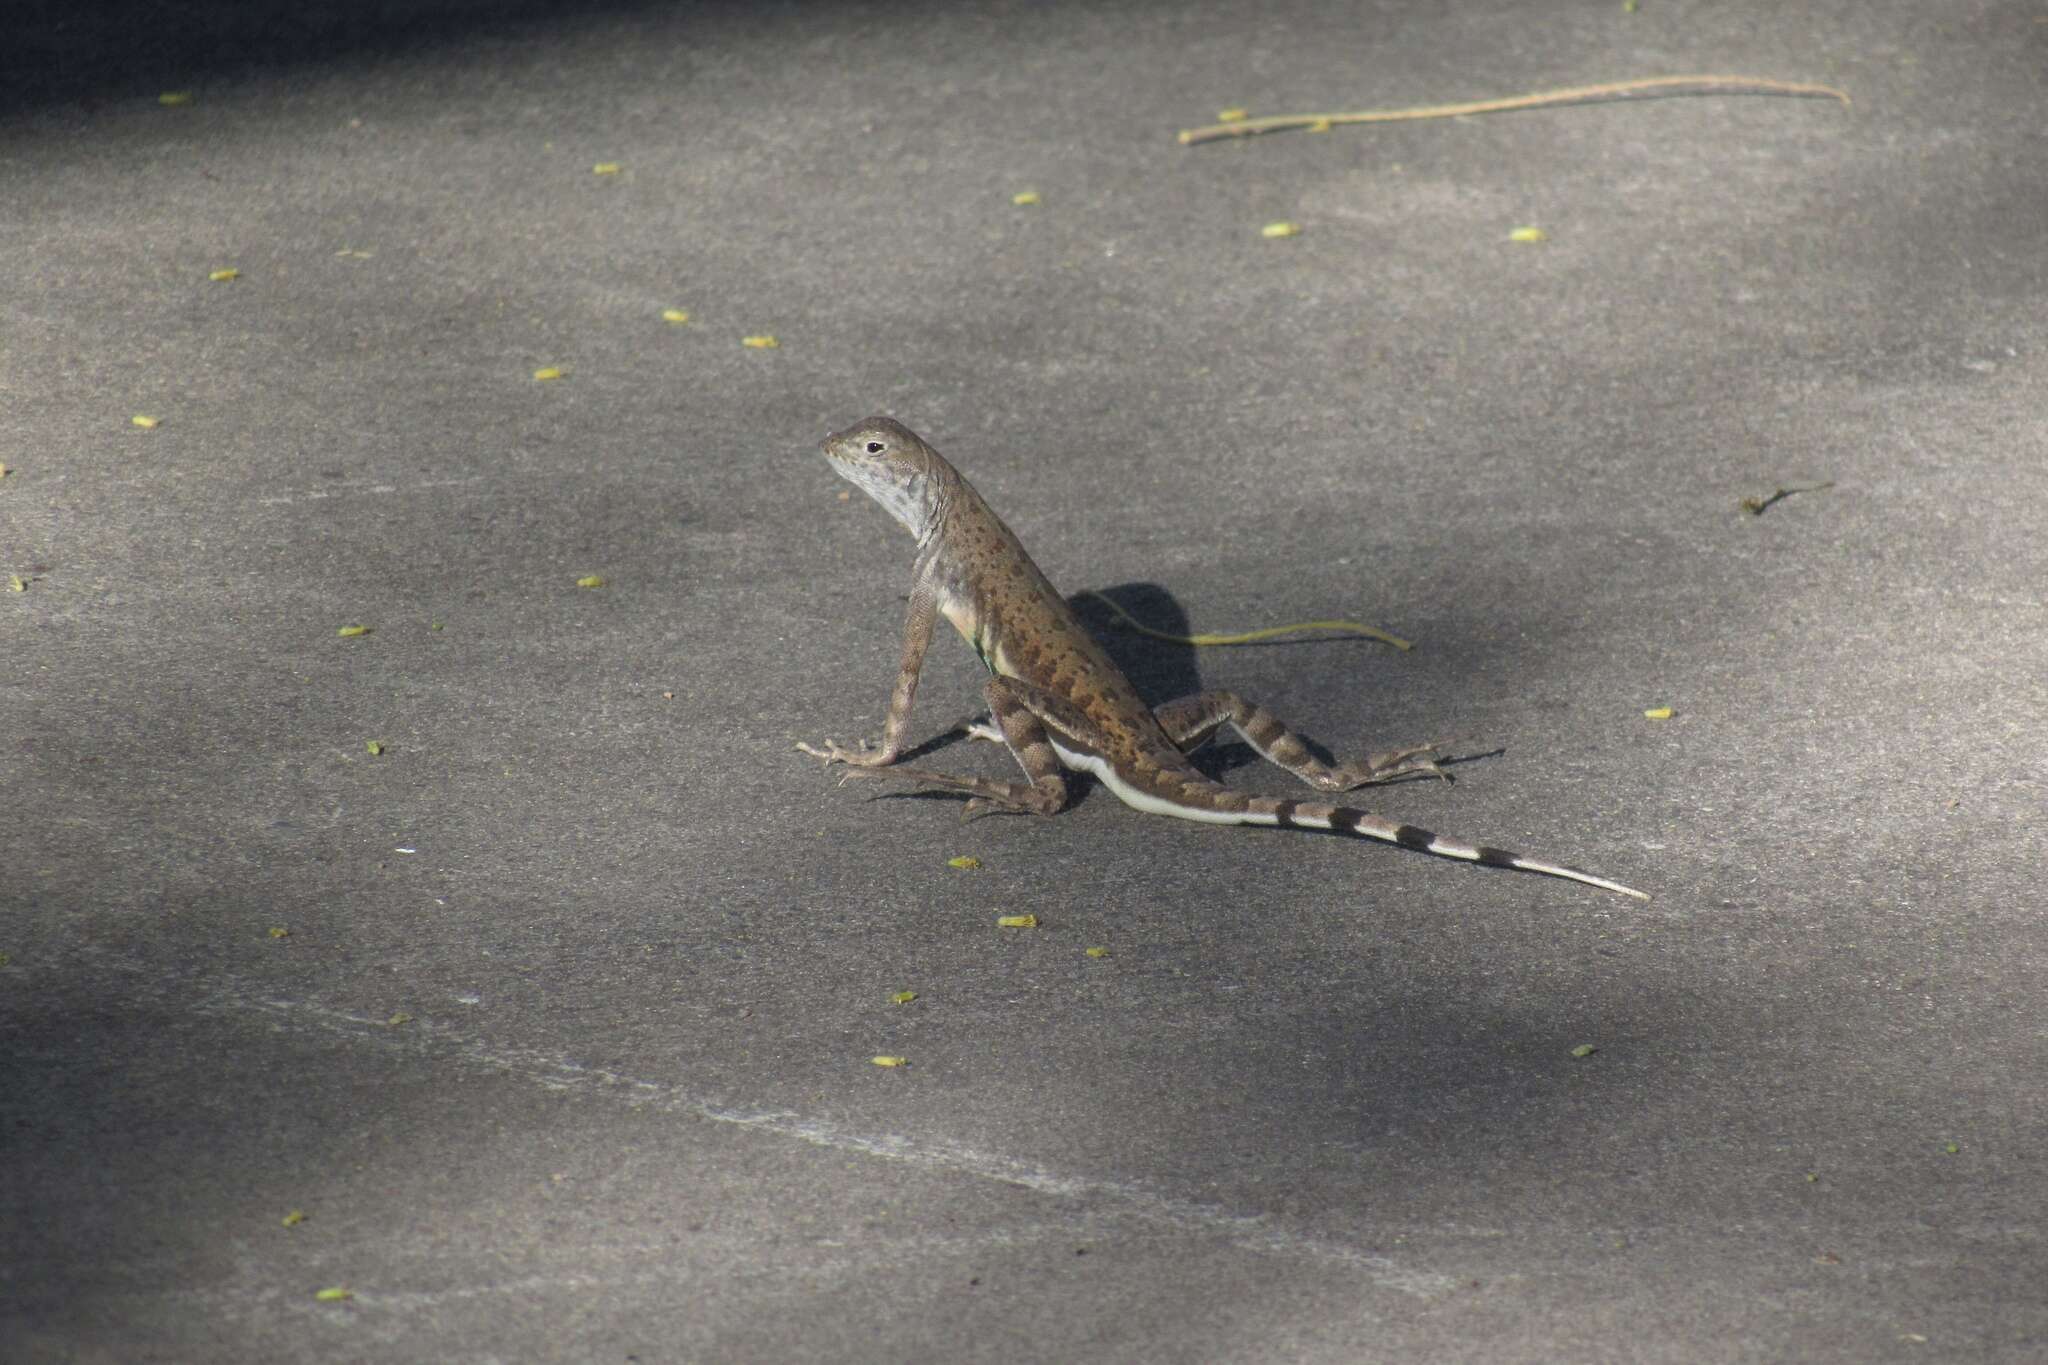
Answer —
(906, 498)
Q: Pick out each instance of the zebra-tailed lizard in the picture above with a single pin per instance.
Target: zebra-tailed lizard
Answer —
(1056, 699)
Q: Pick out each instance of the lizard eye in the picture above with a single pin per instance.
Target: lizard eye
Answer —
(875, 447)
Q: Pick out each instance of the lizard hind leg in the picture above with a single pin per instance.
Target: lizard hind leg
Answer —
(1043, 794)
(1190, 721)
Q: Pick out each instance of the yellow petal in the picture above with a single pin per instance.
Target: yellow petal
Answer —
(1280, 230)
(333, 1295)
(605, 168)
(226, 272)
(891, 1061)
(760, 343)
(1024, 198)
(547, 372)
(1231, 115)
(1098, 952)
(964, 862)
(375, 747)
(590, 581)
(175, 97)
(1016, 921)
(674, 315)
(146, 423)
(902, 997)
(280, 932)
(350, 632)
(293, 1219)
(1528, 234)
(1657, 713)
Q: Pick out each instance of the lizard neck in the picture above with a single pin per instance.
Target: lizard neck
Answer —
(917, 494)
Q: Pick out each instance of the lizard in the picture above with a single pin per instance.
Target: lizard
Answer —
(1058, 701)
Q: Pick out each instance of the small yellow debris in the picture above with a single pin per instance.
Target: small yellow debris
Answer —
(1528, 234)
(397, 1019)
(1024, 199)
(172, 98)
(1016, 921)
(226, 272)
(965, 862)
(375, 746)
(1951, 1148)
(1657, 713)
(890, 1061)
(1584, 1050)
(1280, 230)
(279, 931)
(1322, 125)
(1097, 952)
(436, 626)
(547, 372)
(605, 168)
(590, 580)
(845, 495)
(760, 343)
(1232, 115)
(350, 632)
(145, 422)
(902, 997)
(293, 1219)
(335, 1295)
(16, 583)
(674, 315)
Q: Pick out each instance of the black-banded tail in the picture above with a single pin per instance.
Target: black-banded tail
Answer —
(1190, 796)
(1345, 820)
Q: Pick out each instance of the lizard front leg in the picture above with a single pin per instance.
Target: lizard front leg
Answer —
(1011, 709)
(1190, 721)
(917, 637)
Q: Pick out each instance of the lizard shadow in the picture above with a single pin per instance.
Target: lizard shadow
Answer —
(1161, 671)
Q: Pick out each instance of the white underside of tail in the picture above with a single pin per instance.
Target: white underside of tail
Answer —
(1159, 805)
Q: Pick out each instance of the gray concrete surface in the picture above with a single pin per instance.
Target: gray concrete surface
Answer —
(1319, 1102)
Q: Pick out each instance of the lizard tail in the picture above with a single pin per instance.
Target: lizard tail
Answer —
(1266, 810)
(1181, 792)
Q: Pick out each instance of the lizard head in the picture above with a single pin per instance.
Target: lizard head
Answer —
(891, 464)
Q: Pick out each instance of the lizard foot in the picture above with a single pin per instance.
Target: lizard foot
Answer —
(984, 728)
(835, 752)
(985, 797)
(1416, 761)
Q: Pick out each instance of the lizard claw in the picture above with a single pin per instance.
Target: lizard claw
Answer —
(835, 752)
(983, 729)
(1418, 760)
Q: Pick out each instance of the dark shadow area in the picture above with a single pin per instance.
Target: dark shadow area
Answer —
(1160, 671)
(94, 54)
